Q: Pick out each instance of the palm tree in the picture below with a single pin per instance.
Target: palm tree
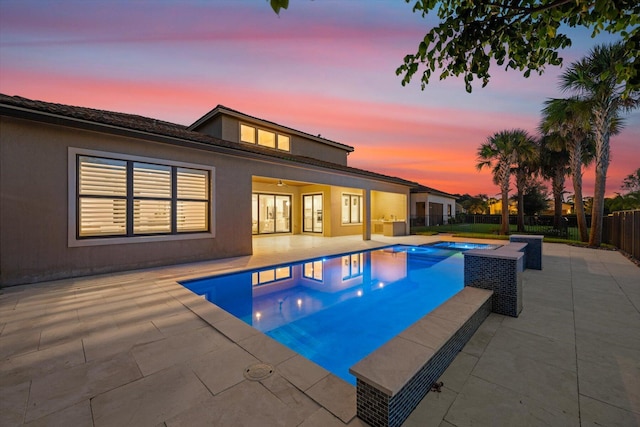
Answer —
(631, 182)
(566, 122)
(526, 166)
(554, 166)
(476, 204)
(482, 207)
(593, 80)
(500, 152)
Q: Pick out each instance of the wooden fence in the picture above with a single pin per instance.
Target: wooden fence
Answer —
(622, 230)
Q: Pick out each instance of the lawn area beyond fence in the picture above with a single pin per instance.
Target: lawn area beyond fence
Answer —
(490, 224)
(620, 229)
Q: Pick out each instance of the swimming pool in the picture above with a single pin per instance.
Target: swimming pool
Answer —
(336, 310)
(461, 245)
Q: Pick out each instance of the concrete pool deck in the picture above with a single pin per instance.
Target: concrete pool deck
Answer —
(137, 349)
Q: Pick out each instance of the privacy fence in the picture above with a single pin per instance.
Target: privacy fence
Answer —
(622, 230)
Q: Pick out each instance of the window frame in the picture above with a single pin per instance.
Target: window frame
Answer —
(256, 281)
(255, 141)
(258, 210)
(317, 274)
(256, 137)
(317, 215)
(75, 240)
(262, 134)
(352, 271)
(348, 206)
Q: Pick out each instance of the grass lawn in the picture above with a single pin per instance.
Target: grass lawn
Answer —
(490, 231)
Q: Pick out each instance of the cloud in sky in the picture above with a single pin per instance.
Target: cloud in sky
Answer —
(321, 67)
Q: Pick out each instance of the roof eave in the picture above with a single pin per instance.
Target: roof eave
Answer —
(75, 122)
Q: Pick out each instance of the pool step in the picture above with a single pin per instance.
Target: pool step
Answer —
(392, 380)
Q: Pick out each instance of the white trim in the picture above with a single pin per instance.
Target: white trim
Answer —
(73, 241)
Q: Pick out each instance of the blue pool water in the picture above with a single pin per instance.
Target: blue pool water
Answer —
(463, 246)
(337, 310)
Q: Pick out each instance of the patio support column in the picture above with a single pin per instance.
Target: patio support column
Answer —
(407, 216)
(366, 224)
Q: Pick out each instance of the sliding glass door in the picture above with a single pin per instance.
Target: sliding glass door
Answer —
(271, 213)
(312, 206)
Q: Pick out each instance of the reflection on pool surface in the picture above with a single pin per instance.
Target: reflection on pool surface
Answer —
(337, 310)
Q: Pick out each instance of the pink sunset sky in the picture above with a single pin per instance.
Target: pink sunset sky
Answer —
(323, 67)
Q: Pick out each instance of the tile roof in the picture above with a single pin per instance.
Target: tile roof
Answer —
(12, 105)
(424, 189)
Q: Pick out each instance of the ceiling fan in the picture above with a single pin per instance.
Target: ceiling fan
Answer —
(281, 183)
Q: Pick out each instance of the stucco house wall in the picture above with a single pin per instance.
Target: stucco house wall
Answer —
(34, 216)
(219, 128)
(432, 197)
(34, 186)
(308, 148)
(337, 227)
(39, 143)
(446, 203)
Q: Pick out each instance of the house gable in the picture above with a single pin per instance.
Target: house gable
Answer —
(430, 206)
(228, 124)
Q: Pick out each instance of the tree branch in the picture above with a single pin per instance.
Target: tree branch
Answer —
(530, 10)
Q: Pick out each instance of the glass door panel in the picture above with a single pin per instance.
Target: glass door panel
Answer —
(254, 214)
(308, 213)
(312, 215)
(317, 218)
(270, 213)
(283, 209)
(266, 214)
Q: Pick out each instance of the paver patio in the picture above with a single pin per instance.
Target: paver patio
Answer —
(136, 349)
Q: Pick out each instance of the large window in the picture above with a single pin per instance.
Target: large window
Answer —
(247, 134)
(270, 275)
(271, 213)
(351, 209)
(117, 197)
(265, 138)
(352, 266)
(313, 270)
